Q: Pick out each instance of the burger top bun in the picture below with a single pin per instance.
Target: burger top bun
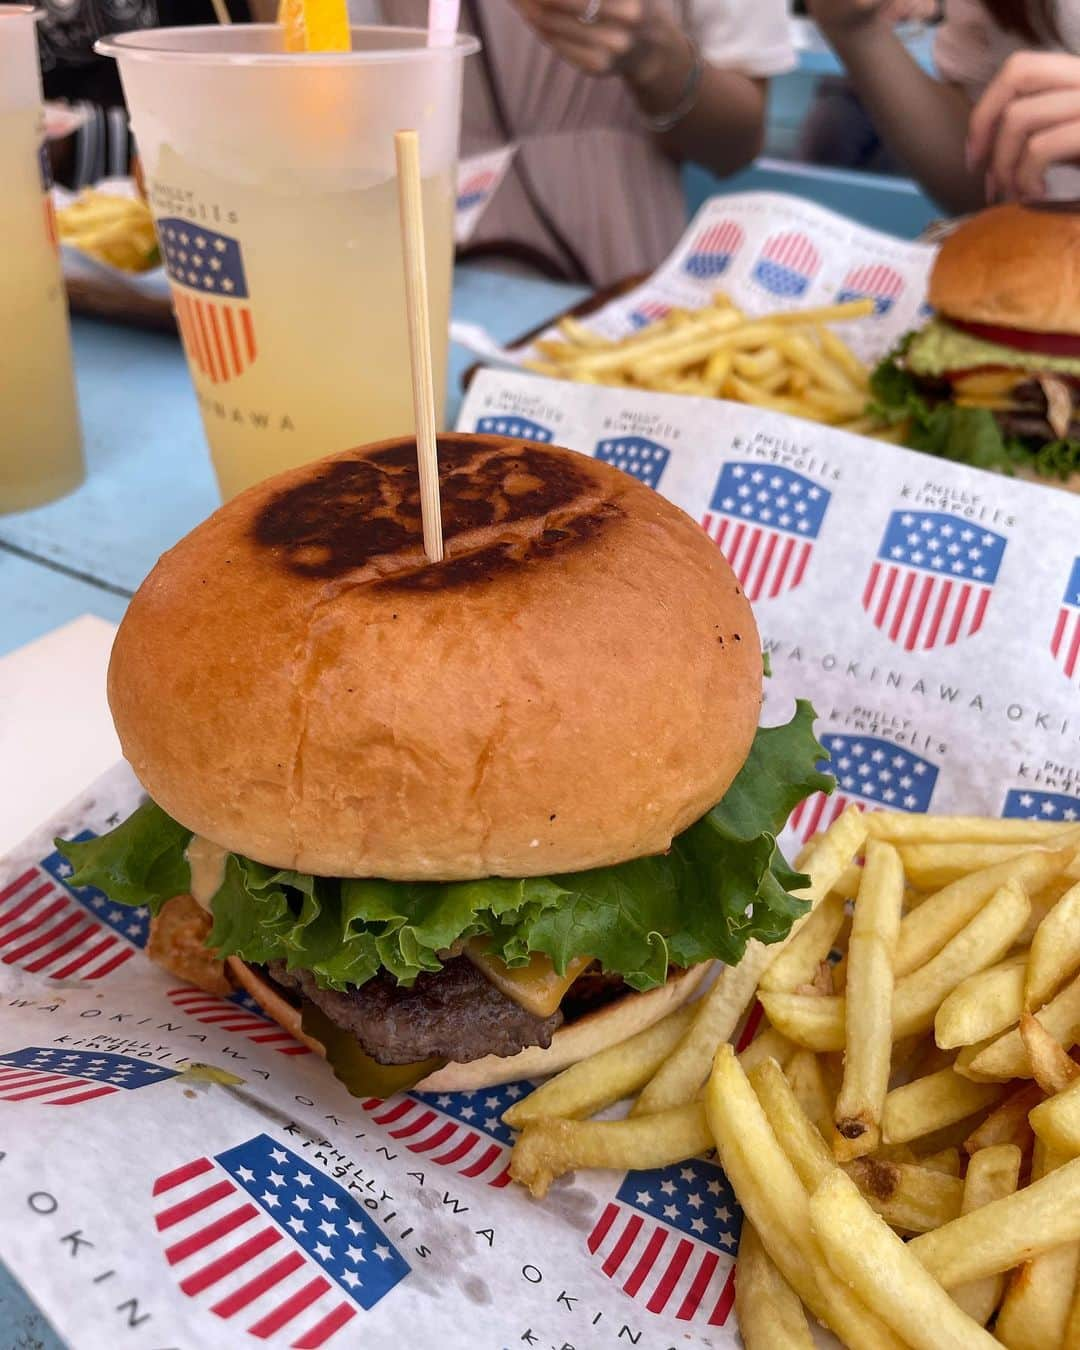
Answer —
(1011, 266)
(572, 1042)
(574, 684)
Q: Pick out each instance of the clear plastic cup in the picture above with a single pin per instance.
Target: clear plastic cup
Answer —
(40, 441)
(272, 180)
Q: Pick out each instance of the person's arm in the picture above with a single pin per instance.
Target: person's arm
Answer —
(922, 120)
(640, 42)
(1027, 121)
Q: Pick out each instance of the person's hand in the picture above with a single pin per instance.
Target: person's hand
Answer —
(1027, 120)
(603, 37)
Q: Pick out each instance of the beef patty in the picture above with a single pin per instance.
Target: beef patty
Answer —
(452, 1014)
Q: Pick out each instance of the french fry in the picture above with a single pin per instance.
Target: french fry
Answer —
(838, 313)
(1051, 1066)
(928, 1104)
(868, 1003)
(1007, 1123)
(946, 1160)
(548, 1148)
(908, 828)
(1072, 1329)
(718, 367)
(580, 334)
(776, 1203)
(603, 1078)
(1055, 950)
(754, 365)
(767, 1044)
(812, 944)
(801, 352)
(719, 1011)
(983, 1005)
(687, 346)
(799, 1134)
(1006, 1232)
(924, 931)
(907, 1195)
(1056, 1121)
(769, 1312)
(932, 866)
(992, 1174)
(880, 1268)
(1037, 1301)
(841, 355)
(806, 1073)
(1007, 1058)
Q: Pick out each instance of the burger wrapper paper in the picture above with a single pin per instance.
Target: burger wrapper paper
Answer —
(175, 1171)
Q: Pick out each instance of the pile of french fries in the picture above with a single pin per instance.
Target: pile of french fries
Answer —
(789, 361)
(114, 229)
(903, 1132)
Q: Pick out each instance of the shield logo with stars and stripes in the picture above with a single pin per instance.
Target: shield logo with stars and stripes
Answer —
(55, 1076)
(210, 296)
(510, 424)
(1065, 639)
(712, 250)
(873, 281)
(476, 188)
(238, 1014)
(460, 1130)
(765, 520)
(51, 929)
(648, 311)
(930, 583)
(787, 264)
(641, 458)
(873, 773)
(266, 1241)
(1031, 804)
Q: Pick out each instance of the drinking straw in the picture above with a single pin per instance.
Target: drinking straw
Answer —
(442, 22)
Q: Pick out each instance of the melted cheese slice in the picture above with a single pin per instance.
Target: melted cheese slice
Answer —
(536, 987)
(207, 864)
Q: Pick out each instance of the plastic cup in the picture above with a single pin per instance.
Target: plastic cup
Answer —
(40, 441)
(272, 181)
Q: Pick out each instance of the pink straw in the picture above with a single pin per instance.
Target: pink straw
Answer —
(442, 22)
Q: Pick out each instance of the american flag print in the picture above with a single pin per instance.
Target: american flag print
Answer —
(712, 250)
(510, 425)
(210, 296)
(641, 458)
(48, 928)
(648, 311)
(873, 281)
(476, 188)
(787, 264)
(873, 773)
(238, 1014)
(270, 1244)
(1025, 804)
(460, 1130)
(930, 583)
(54, 1076)
(765, 521)
(1065, 640)
(669, 1239)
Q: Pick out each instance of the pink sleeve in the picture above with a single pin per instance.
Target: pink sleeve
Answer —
(969, 48)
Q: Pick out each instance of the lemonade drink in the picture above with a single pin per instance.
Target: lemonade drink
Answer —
(272, 182)
(40, 442)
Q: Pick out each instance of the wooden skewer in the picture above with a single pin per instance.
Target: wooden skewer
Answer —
(221, 12)
(407, 150)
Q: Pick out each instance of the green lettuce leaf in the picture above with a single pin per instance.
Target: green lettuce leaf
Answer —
(723, 882)
(966, 435)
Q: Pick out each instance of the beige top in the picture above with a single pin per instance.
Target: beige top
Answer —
(970, 48)
(590, 191)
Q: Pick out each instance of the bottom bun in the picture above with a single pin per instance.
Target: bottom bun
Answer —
(595, 1031)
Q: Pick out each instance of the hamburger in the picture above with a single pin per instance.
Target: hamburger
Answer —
(461, 823)
(994, 378)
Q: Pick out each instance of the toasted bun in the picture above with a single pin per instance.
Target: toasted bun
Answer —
(595, 1031)
(1011, 266)
(575, 683)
